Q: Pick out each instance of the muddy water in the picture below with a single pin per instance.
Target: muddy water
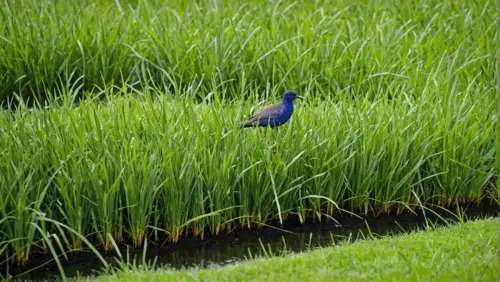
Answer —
(237, 246)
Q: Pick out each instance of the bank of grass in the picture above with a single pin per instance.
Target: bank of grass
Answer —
(463, 252)
(230, 48)
(145, 166)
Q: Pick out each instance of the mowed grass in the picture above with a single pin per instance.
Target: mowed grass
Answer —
(464, 252)
(399, 112)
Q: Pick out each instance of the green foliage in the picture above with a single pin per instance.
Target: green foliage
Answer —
(231, 49)
(135, 166)
(398, 111)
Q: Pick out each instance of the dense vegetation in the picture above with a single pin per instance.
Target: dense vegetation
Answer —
(399, 111)
(234, 48)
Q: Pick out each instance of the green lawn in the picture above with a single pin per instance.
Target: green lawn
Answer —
(467, 252)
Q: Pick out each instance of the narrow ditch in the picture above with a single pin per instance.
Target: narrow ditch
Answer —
(242, 244)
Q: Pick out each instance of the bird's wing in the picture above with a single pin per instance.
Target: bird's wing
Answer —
(270, 112)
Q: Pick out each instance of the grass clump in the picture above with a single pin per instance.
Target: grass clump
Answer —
(138, 167)
(464, 252)
(230, 48)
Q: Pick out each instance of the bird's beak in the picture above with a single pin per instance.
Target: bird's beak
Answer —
(300, 97)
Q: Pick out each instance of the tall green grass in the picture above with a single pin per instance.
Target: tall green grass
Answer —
(138, 166)
(398, 112)
(231, 48)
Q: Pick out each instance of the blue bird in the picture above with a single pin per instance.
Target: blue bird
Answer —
(274, 115)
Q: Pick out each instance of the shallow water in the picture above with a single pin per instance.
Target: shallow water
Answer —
(235, 247)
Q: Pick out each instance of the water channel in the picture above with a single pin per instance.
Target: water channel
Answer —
(241, 245)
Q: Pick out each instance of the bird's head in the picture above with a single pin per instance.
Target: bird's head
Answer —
(291, 95)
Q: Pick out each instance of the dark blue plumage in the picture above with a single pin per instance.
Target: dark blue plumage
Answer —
(275, 115)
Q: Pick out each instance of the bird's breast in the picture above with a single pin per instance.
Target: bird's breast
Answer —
(287, 110)
(285, 114)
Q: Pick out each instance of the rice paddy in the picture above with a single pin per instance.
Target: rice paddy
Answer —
(120, 118)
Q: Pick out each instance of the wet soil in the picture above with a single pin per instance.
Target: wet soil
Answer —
(239, 245)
